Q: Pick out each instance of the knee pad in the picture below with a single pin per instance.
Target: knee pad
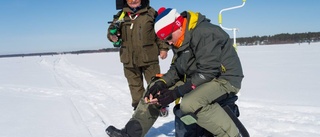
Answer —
(133, 128)
(188, 118)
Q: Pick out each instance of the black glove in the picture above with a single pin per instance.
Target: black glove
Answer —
(155, 88)
(167, 96)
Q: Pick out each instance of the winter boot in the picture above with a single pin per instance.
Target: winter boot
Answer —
(114, 132)
(132, 129)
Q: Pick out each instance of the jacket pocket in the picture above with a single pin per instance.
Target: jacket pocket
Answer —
(124, 55)
(150, 53)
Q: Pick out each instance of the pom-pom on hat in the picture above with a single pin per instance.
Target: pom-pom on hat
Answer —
(167, 21)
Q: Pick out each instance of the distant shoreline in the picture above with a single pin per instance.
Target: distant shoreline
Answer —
(60, 53)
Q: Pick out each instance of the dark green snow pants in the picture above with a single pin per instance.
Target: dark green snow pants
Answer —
(135, 80)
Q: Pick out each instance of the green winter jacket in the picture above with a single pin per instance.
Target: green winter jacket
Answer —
(205, 49)
(140, 46)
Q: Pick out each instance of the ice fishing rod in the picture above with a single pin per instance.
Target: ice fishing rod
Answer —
(233, 29)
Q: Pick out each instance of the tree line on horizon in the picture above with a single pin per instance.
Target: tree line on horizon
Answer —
(283, 38)
(60, 53)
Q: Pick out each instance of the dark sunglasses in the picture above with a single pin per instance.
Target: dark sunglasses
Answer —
(169, 37)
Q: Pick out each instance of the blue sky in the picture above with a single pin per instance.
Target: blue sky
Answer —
(29, 26)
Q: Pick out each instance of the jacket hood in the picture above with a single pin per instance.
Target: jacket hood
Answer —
(193, 20)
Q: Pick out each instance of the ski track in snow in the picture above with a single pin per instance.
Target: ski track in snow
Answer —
(88, 93)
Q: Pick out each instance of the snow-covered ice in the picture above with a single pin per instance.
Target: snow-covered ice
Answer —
(80, 95)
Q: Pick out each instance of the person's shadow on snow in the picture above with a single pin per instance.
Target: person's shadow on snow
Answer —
(166, 129)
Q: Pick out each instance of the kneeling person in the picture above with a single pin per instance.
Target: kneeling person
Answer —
(207, 63)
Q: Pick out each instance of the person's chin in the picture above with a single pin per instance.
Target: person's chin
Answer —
(134, 5)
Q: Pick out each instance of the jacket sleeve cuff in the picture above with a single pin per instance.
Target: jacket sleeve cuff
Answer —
(185, 88)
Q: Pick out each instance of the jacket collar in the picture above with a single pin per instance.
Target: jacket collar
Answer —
(193, 19)
(139, 11)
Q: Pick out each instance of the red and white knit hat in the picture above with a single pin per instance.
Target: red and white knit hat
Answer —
(167, 21)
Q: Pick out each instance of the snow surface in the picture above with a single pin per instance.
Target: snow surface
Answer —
(80, 95)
